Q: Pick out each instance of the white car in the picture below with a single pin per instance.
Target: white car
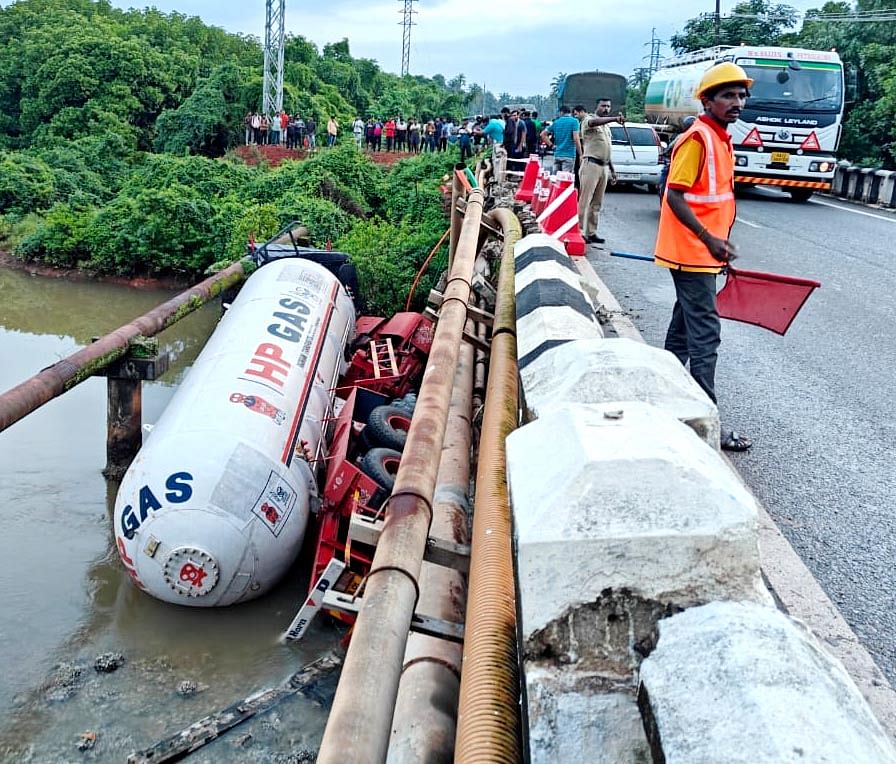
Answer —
(639, 161)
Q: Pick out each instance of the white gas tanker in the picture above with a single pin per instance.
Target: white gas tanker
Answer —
(214, 507)
(788, 132)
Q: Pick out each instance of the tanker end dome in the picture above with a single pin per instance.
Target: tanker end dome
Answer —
(214, 508)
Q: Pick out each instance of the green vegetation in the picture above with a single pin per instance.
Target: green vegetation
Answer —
(868, 50)
(115, 135)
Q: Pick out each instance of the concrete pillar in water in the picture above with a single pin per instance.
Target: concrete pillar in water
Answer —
(124, 402)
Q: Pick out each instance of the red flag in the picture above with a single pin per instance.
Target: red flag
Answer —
(768, 300)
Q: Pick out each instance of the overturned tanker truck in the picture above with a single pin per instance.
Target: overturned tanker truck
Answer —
(263, 436)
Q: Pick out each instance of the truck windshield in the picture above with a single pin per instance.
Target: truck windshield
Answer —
(814, 87)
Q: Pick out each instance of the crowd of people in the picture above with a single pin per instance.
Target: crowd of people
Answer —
(413, 135)
(281, 129)
(517, 131)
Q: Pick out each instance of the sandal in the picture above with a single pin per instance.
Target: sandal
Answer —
(735, 442)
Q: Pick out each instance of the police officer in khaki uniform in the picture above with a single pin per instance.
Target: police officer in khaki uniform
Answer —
(596, 168)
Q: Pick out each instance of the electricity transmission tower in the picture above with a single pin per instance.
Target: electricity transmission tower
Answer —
(653, 60)
(407, 22)
(274, 40)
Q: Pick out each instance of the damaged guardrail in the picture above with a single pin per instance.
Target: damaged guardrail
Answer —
(646, 629)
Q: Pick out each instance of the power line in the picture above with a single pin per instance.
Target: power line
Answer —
(856, 17)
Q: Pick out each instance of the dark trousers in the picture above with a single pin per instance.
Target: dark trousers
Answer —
(694, 332)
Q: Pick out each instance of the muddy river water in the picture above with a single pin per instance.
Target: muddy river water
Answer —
(65, 599)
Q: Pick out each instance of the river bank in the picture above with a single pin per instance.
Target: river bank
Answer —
(8, 260)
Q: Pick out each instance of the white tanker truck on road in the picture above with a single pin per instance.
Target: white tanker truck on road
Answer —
(789, 130)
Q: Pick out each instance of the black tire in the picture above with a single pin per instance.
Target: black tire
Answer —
(801, 194)
(381, 464)
(387, 426)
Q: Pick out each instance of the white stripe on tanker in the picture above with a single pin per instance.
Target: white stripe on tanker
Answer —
(214, 507)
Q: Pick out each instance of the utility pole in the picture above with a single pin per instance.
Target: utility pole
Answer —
(407, 22)
(274, 41)
(718, 24)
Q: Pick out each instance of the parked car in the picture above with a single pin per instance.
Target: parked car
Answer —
(640, 161)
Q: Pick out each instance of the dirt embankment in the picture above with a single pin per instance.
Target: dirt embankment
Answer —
(274, 155)
(37, 269)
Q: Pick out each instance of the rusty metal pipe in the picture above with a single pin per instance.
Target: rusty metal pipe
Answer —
(361, 717)
(489, 723)
(457, 193)
(425, 721)
(480, 370)
(21, 400)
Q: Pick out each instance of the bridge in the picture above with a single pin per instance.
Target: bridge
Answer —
(817, 404)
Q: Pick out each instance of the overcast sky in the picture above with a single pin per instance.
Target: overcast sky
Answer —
(516, 46)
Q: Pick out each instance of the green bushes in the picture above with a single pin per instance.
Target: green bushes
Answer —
(59, 238)
(26, 183)
(387, 257)
(157, 231)
(178, 215)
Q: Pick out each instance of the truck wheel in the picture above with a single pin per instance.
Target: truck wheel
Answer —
(387, 426)
(800, 194)
(381, 464)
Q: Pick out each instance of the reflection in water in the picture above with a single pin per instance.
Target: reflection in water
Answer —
(76, 312)
(78, 309)
(64, 597)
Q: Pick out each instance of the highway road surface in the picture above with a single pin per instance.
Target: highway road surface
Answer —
(819, 403)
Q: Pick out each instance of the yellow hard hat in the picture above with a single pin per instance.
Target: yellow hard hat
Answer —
(725, 73)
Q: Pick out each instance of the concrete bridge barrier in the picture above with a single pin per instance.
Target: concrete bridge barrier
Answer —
(870, 185)
(737, 682)
(887, 189)
(552, 308)
(838, 185)
(598, 371)
(627, 522)
(867, 185)
(854, 183)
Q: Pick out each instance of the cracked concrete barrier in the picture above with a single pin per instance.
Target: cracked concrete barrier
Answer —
(589, 371)
(622, 516)
(737, 682)
(552, 307)
(597, 723)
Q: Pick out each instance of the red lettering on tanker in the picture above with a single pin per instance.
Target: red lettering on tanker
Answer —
(260, 406)
(193, 573)
(269, 364)
(128, 562)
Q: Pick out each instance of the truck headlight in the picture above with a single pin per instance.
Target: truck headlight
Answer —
(740, 161)
(821, 166)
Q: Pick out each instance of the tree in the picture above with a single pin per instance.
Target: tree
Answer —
(752, 22)
(457, 83)
(208, 121)
(557, 84)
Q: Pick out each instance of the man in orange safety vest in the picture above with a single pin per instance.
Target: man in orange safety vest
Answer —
(696, 217)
